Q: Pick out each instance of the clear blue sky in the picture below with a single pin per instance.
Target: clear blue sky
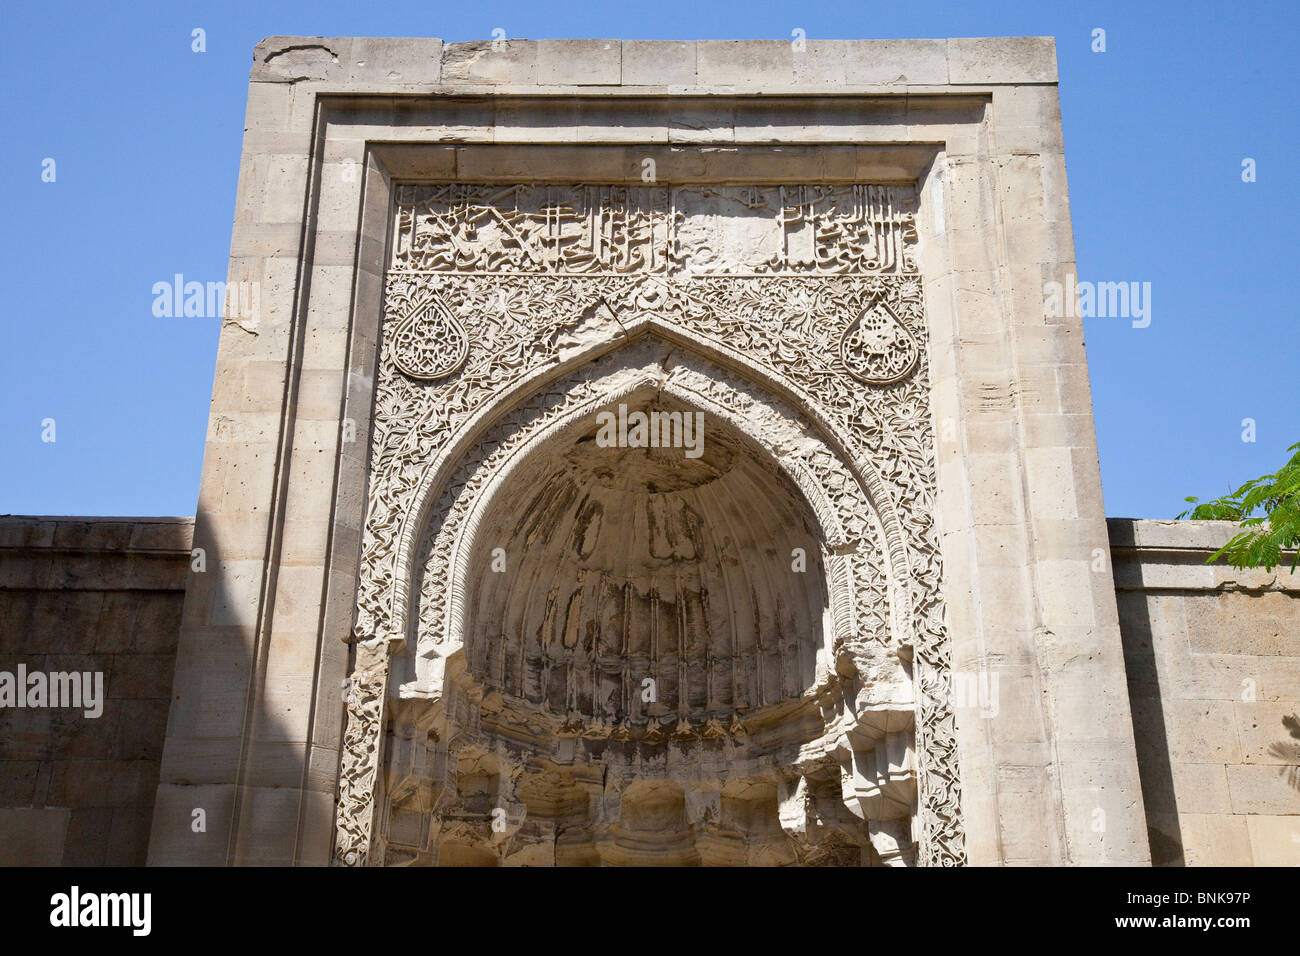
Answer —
(146, 137)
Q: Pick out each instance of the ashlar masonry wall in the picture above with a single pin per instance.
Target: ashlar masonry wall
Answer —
(1213, 660)
(92, 595)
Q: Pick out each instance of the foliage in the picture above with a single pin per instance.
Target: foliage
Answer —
(1268, 511)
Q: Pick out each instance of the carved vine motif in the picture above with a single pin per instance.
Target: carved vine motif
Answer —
(786, 276)
(364, 700)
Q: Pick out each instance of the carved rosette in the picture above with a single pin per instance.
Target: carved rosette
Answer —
(807, 283)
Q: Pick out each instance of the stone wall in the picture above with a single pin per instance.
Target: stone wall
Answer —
(87, 595)
(292, 498)
(1213, 659)
(1212, 654)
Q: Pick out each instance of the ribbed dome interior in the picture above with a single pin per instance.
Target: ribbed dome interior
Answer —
(627, 563)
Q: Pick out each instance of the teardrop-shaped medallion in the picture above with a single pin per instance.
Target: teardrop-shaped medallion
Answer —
(877, 348)
(429, 343)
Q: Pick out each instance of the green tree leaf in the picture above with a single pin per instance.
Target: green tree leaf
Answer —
(1267, 508)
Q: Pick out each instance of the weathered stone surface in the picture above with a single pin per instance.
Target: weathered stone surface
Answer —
(77, 789)
(877, 611)
(1213, 657)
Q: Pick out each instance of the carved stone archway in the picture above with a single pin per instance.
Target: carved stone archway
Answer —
(438, 470)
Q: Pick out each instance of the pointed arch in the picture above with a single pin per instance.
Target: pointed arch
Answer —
(595, 340)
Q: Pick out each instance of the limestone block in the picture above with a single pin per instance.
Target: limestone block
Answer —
(239, 593)
(1099, 830)
(477, 62)
(896, 63)
(270, 829)
(1215, 840)
(1026, 140)
(579, 62)
(1006, 594)
(263, 239)
(305, 541)
(317, 827)
(280, 752)
(87, 837)
(1274, 840)
(17, 778)
(805, 122)
(971, 251)
(750, 65)
(128, 835)
(1024, 819)
(101, 783)
(1001, 546)
(269, 108)
(1269, 732)
(1230, 676)
(339, 194)
(1050, 474)
(820, 64)
(1241, 623)
(1200, 788)
(1263, 789)
(175, 838)
(293, 653)
(293, 59)
(1076, 708)
(93, 535)
(215, 675)
(688, 123)
(162, 534)
(978, 313)
(141, 676)
(56, 619)
(517, 124)
(1002, 60)
(27, 532)
(1020, 186)
(884, 164)
(201, 760)
(141, 729)
(658, 63)
(995, 489)
(1015, 708)
(1035, 107)
(33, 837)
(388, 60)
(1067, 430)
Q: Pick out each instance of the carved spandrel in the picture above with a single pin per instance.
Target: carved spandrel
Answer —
(776, 273)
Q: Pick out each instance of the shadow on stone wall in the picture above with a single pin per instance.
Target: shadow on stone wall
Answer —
(86, 596)
(1289, 750)
(1151, 736)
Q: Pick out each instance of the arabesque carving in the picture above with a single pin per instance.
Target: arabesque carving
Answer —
(790, 314)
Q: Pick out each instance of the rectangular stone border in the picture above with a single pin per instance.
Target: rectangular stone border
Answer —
(1016, 452)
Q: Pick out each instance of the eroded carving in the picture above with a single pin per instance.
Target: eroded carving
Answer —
(800, 284)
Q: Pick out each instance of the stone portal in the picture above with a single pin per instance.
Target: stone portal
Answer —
(467, 255)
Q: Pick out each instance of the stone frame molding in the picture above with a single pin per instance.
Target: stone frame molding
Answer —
(856, 480)
(334, 124)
